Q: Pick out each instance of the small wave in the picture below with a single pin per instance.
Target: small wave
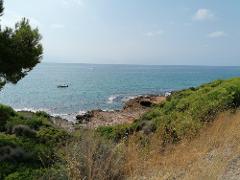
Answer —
(120, 98)
(127, 98)
(167, 94)
(69, 117)
(31, 110)
(112, 98)
(59, 114)
(82, 112)
(108, 110)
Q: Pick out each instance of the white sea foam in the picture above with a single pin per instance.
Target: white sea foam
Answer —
(112, 98)
(69, 117)
(31, 110)
(127, 98)
(59, 114)
(82, 112)
(167, 94)
(108, 110)
(120, 98)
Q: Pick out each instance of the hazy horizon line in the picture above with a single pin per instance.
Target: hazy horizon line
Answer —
(83, 63)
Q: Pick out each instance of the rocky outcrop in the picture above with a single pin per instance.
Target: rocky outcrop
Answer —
(84, 118)
(143, 102)
(133, 109)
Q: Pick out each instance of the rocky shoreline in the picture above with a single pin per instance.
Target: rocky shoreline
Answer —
(133, 109)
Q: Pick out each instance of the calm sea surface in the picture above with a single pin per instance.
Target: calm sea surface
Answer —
(101, 86)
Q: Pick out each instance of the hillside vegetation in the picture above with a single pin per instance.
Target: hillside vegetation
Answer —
(28, 144)
(184, 113)
(182, 132)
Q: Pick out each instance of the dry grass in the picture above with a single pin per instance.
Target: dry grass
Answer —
(214, 154)
(94, 158)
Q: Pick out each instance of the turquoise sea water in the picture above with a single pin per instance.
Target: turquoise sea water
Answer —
(101, 86)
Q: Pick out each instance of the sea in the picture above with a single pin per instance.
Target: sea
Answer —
(106, 87)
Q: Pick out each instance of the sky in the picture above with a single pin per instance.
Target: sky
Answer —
(186, 32)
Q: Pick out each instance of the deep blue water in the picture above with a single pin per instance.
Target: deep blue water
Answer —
(102, 86)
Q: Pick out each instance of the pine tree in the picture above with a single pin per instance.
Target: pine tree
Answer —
(20, 50)
(1, 7)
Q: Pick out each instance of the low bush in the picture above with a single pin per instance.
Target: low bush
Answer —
(43, 114)
(28, 144)
(25, 173)
(183, 113)
(12, 154)
(23, 130)
(51, 135)
(115, 133)
(93, 157)
(5, 114)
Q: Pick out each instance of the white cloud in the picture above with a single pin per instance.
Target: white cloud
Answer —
(154, 33)
(10, 18)
(217, 34)
(57, 26)
(203, 14)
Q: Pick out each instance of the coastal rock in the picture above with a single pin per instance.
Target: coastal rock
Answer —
(146, 103)
(133, 109)
(143, 102)
(134, 103)
(84, 118)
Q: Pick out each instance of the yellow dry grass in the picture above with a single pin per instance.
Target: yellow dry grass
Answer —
(214, 154)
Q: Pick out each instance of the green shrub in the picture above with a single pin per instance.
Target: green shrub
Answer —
(115, 132)
(56, 172)
(23, 130)
(6, 139)
(43, 114)
(7, 168)
(146, 126)
(24, 174)
(13, 154)
(5, 113)
(51, 135)
(184, 112)
(27, 144)
(16, 149)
